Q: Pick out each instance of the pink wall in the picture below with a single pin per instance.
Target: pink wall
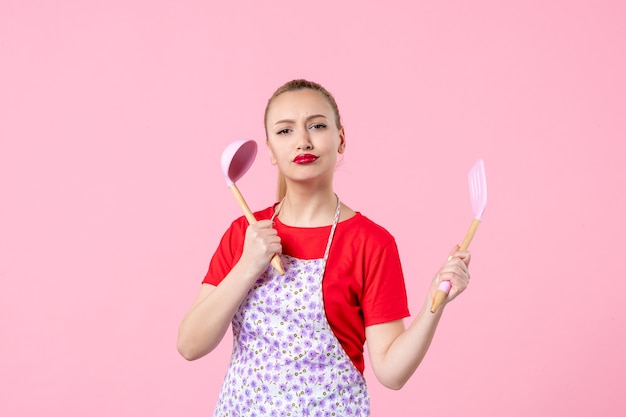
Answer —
(112, 118)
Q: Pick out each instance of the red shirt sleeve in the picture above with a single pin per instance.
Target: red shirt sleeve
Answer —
(384, 293)
(228, 252)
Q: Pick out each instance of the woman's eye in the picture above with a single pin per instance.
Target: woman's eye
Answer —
(318, 126)
(282, 132)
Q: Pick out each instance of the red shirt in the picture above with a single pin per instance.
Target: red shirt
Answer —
(363, 283)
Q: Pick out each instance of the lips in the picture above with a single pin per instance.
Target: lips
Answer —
(306, 158)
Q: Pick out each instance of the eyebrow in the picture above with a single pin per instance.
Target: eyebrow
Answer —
(314, 116)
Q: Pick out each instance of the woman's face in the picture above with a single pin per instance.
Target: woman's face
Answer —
(302, 135)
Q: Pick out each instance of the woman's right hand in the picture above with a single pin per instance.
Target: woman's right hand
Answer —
(260, 245)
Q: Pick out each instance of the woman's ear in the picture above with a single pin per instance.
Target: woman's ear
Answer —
(342, 141)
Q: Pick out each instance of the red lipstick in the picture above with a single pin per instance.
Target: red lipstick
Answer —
(305, 158)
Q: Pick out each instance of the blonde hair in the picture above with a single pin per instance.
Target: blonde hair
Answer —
(296, 85)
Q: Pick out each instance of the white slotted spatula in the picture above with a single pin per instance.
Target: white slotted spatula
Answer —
(478, 196)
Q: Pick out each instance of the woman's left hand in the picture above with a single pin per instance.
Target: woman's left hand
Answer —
(456, 271)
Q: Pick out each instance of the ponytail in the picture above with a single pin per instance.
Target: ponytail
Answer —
(281, 190)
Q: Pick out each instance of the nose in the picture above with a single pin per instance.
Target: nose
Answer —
(304, 140)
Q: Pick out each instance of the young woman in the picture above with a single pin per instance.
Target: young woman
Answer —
(299, 337)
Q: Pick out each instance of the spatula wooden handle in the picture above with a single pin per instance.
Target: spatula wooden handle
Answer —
(276, 262)
(470, 234)
(444, 288)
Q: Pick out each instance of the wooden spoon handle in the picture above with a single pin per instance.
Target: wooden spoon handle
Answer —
(276, 262)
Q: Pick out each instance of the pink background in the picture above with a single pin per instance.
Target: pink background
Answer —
(113, 115)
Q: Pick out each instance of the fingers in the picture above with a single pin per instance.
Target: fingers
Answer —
(464, 255)
(262, 239)
(265, 230)
(261, 243)
(456, 271)
(264, 224)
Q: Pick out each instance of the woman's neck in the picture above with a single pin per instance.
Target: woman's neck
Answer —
(307, 208)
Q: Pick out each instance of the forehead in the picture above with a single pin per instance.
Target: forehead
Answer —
(300, 103)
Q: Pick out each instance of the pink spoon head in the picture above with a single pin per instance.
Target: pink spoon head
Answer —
(237, 158)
